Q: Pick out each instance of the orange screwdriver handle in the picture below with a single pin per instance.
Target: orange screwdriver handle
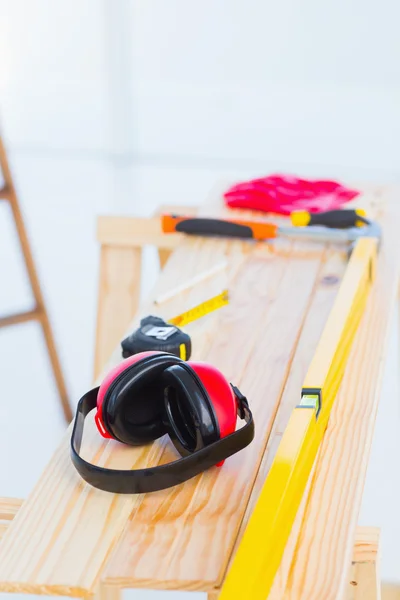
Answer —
(221, 227)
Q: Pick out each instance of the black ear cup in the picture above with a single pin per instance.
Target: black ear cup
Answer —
(190, 419)
(133, 408)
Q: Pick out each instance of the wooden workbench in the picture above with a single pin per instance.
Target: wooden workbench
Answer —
(69, 538)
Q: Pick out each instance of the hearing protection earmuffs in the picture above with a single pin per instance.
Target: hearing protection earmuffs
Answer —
(153, 393)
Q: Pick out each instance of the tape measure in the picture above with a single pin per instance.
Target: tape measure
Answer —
(156, 334)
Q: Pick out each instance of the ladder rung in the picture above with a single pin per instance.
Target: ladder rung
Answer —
(30, 315)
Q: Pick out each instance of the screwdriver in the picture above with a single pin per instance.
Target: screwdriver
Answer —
(339, 225)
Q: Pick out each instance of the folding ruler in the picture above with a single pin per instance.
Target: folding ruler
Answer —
(260, 551)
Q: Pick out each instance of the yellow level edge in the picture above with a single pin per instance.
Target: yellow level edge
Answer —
(260, 551)
(353, 291)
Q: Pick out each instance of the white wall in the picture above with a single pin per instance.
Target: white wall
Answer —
(117, 106)
(307, 86)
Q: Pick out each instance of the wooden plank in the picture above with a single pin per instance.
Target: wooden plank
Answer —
(108, 592)
(3, 529)
(118, 298)
(172, 548)
(65, 530)
(134, 232)
(324, 548)
(9, 508)
(366, 545)
(365, 581)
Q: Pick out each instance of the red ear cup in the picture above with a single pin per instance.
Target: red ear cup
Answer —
(200, 406)
(108, 381)
(221, 395)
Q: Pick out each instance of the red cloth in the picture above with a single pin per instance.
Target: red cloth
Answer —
(283, 194)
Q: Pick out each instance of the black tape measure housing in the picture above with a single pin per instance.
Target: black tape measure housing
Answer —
(156, 334)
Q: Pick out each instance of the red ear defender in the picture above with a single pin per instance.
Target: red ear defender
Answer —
(221, 395)
(153, 393)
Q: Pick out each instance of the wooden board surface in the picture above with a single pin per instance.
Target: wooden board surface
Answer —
(184, 536)
(330, 519)
(65, 532)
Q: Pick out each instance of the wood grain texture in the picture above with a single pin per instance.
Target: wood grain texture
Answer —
(327, 284)
(3, 529)
(118, 298)
(173, 529)
(365, 581)
(9, 508)
(65, 530)
(366, 545)
(108, 592)
(329, 523)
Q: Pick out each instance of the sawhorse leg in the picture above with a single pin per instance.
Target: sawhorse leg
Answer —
(365, 582)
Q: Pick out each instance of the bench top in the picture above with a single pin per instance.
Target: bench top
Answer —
(67, 536)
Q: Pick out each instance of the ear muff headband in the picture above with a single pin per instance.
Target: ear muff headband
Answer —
(141, 481)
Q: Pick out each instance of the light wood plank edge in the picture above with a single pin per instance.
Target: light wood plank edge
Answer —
(108, 592)
(140, 231)
(364, 581)
(9, 508)
(118, 298)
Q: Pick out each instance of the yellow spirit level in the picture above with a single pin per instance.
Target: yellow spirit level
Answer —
(261, 548)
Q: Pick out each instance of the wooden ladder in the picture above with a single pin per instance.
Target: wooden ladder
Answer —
(38, 312)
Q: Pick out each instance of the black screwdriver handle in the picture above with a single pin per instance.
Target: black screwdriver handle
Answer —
(337, 219)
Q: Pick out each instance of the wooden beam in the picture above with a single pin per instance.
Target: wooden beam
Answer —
(136, 232)
(118, 298)
(365, 581)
